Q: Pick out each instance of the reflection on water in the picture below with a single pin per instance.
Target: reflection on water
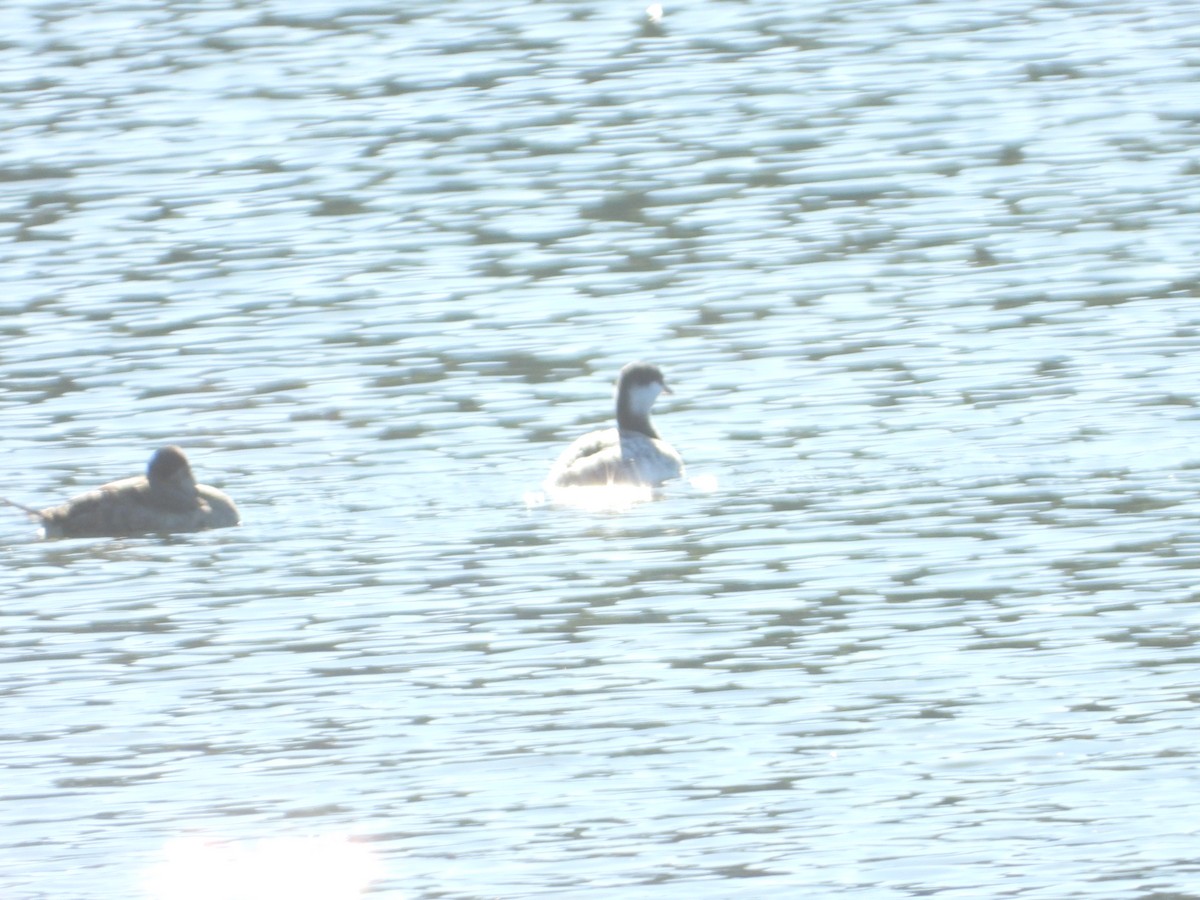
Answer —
(923, 277)
(596, 498)
(615, 498)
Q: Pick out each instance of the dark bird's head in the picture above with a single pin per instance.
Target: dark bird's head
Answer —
(168, 465)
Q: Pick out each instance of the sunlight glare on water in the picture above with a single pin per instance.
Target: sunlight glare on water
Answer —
(315, 868)
(597, 498)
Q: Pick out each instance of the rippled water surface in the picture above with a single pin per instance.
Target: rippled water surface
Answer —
(924, 279)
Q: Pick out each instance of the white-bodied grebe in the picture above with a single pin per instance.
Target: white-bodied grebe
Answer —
(630, 454)
(165, 499)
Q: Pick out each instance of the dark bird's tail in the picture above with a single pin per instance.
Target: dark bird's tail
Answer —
(21, 506)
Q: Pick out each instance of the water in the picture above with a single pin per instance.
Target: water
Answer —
(923, 277)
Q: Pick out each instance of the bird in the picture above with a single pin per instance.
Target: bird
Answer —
(630, 454)
(166, 499)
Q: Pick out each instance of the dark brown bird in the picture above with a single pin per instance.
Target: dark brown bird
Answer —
(166, 499)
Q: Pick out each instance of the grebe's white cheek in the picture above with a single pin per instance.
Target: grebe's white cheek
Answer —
(642, 397)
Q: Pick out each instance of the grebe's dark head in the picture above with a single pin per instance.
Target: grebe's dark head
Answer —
(642, 374)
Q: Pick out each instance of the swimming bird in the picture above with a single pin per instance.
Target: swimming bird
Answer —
(166, 499)
(632, 453)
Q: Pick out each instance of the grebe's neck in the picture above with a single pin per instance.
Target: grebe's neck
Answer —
(633, 407)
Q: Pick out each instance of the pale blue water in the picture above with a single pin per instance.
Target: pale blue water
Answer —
(924, 280)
